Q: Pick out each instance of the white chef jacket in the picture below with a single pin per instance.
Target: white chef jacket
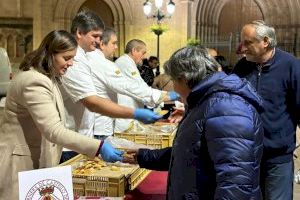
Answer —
(109, 81)
(78, 84)
(103, 125)
(130, 70)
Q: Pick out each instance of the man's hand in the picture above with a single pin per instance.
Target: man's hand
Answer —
(173, 96)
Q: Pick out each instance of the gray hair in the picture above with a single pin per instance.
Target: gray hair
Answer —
(263, 30)
(106, 35)
(86, 21)
(134, 43)
(192, 63)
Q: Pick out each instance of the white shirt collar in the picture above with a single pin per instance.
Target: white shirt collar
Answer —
(130, 59)
(80, 54)
(100, 52)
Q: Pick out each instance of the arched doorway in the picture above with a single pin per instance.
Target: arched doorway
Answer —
(115, 13)
(28, 44)
(101, 9)
(20, 46)
(233, 17)
(219, 22)
(11, 46)
(2, 42)
(231, 20)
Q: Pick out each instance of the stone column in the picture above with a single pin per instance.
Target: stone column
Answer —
(184, 16)
(42, 20)
(121, 31)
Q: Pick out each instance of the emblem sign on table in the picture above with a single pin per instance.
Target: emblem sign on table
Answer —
(49, 183)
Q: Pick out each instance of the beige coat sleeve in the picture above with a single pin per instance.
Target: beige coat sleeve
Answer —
(40, 99)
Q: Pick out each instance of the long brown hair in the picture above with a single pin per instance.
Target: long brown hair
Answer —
(41, 59)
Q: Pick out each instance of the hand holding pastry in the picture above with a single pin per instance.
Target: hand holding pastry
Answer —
(130, 156)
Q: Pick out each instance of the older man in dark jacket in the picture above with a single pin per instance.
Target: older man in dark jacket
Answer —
(218, 146)
(276, 76)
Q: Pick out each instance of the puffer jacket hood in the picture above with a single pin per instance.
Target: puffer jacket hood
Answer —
(220, 82)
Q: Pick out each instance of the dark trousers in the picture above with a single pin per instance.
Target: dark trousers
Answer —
(100, 137)
(67, 155)
(277, 181)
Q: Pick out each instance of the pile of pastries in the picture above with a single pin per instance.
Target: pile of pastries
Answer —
(89, 167)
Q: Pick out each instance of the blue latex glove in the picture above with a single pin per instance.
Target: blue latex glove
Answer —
(146, 116)
(173, 96)
(110, 154)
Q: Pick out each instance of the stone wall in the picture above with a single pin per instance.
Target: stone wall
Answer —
(207, 20)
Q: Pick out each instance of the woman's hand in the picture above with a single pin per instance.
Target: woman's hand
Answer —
(109, 153)
(130, 156)
(177, 115)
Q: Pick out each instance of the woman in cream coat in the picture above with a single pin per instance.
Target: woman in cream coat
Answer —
(32, 131)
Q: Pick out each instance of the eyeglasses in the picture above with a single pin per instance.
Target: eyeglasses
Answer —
(165, 84)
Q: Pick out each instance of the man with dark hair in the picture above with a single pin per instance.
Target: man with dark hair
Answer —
(86, 21)
(276, 76)
(146, 70)
(83, 102)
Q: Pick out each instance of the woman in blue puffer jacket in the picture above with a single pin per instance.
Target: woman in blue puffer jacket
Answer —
(218, 146)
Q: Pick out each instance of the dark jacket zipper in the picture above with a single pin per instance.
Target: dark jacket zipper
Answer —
(259, 67)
